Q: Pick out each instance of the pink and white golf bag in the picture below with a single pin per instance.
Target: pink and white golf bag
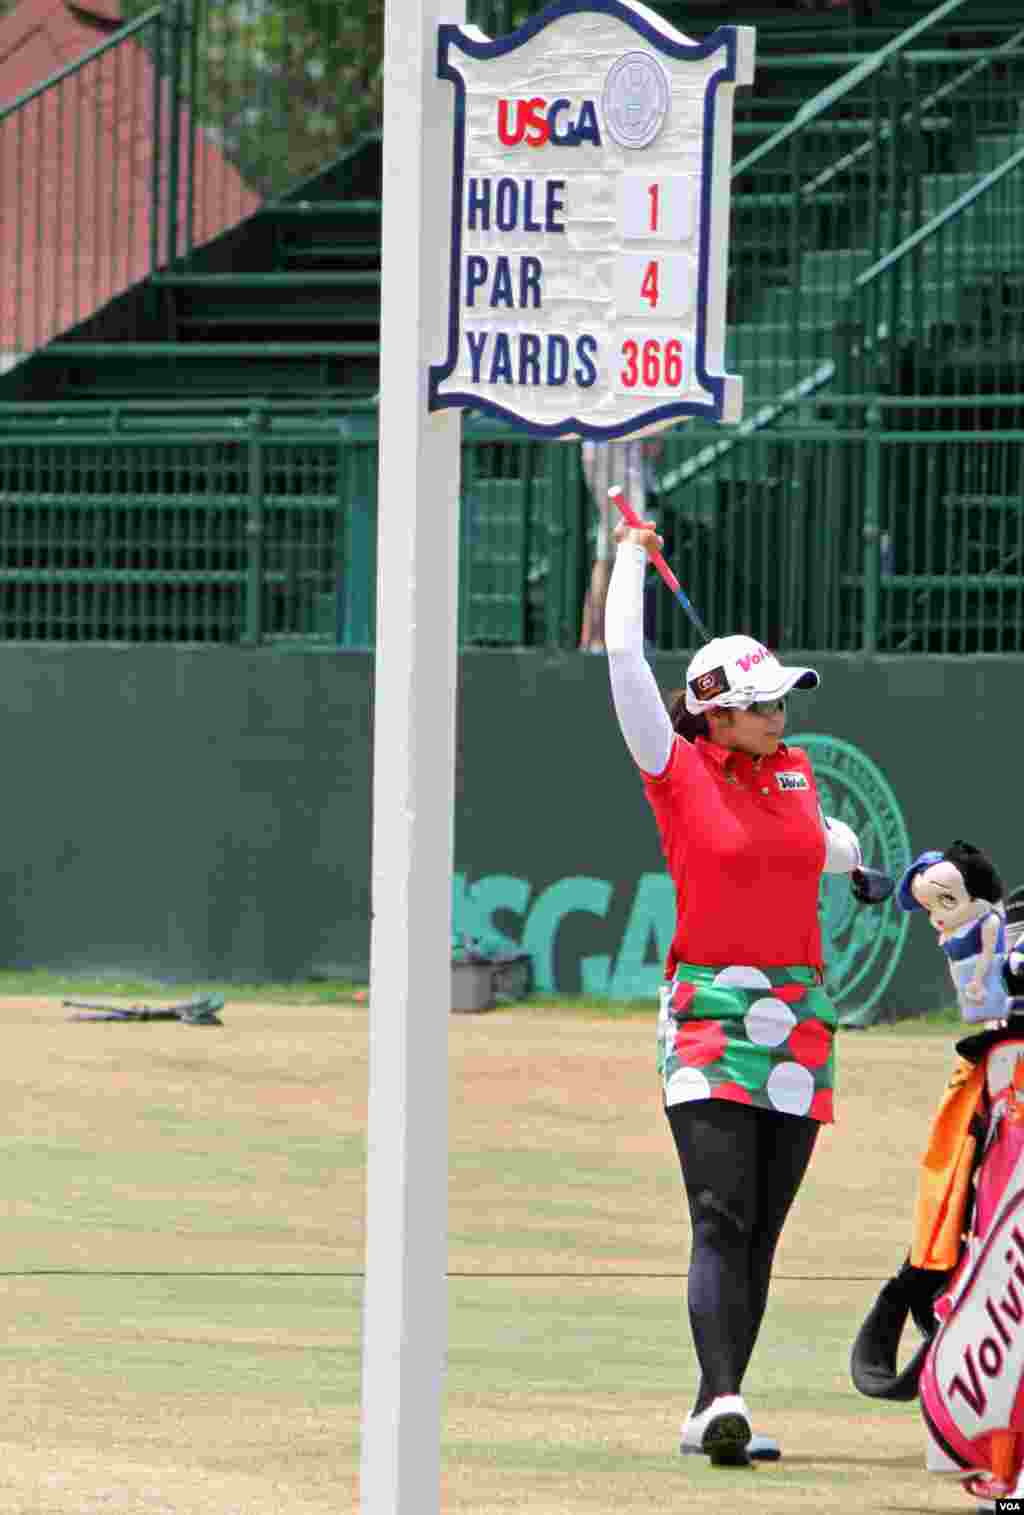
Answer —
(969, 1371)
(971, 1382)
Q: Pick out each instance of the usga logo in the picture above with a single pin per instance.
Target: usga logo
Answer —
(536, 123)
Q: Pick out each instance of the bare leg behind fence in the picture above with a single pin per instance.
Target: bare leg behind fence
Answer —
(605, 464)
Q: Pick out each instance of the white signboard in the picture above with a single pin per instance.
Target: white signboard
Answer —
(590, 221)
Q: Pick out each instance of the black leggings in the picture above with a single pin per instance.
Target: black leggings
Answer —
(742, 1167)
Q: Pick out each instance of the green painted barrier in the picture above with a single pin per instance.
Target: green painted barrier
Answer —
(219, 825)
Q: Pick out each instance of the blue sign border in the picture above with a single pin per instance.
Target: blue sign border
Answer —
(451, 37)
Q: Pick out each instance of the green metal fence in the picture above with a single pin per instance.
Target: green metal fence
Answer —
(217, 539)
(191, 117)
(197, 112)
(857, 168)
(948, 575)
(871, 499)
(893, 525)
(261, 529)
(944, 309)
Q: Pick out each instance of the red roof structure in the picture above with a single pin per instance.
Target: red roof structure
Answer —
(84, 170)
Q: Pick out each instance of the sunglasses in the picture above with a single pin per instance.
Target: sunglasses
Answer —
(765, 708)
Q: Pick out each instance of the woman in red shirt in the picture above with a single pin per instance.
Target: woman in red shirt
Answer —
(745, 1028)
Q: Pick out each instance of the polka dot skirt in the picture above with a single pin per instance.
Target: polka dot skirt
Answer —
(757, 1036)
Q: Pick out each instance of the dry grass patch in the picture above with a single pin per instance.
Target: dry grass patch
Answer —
(223, 1167)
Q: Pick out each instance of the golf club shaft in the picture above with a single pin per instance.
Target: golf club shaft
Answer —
(631, 518)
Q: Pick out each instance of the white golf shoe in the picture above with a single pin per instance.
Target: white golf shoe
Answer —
(722, 1432)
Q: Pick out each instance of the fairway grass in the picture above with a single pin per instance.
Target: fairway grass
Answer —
(213, 1395)
(577, 1408)
(180, 1285)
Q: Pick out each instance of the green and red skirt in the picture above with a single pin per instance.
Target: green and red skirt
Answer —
(757, 1036)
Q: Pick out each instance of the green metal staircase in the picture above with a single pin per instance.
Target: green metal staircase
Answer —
(228, 399)
(779, 525)
(285, 305)
(196, 460)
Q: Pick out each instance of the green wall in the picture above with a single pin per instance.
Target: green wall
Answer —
(186, 813)
(205, 813)
(549, 795)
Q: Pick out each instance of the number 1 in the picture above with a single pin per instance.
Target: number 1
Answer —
(652, 190)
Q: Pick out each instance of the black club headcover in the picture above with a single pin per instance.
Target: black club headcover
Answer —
(870, 886)
(873, 1358)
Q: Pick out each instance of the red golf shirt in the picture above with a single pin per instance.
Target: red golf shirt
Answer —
(745, 847)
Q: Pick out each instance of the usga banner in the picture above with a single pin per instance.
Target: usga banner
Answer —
(590, 221)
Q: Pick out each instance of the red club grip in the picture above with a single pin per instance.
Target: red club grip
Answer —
(631, 518)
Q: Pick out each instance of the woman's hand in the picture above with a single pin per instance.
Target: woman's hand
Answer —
(646, 536)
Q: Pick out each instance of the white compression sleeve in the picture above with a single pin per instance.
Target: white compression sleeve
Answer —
(638, 704)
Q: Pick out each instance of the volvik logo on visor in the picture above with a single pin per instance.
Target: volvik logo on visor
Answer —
(707, 686)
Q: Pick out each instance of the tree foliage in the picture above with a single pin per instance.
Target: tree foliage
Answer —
(287, 85)
(291, 83)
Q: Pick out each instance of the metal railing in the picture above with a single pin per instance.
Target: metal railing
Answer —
(860, 163)
(892, 524)
(77, 161)
(878, 504)
(843, 183)
(945, 310)
(188, 119)
(108, 173)
(137, 524)
(885, 233)
(944, 573)
(866, 502)
(805, 348)
(948, 300)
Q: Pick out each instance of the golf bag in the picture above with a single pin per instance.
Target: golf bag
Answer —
(972, 1377)
(964, 1280)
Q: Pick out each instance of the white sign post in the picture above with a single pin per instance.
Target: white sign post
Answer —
(554, 253)
(405, 1303)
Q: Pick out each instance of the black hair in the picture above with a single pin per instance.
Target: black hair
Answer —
(977, 871)
(688, 726)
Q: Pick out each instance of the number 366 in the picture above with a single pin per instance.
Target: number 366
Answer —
(652, 365)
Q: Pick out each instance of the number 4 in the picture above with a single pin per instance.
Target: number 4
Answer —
(649, 287)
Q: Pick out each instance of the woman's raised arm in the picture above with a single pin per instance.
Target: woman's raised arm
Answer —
(643, 719)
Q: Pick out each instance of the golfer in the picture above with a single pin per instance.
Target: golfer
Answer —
(745, 1028)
